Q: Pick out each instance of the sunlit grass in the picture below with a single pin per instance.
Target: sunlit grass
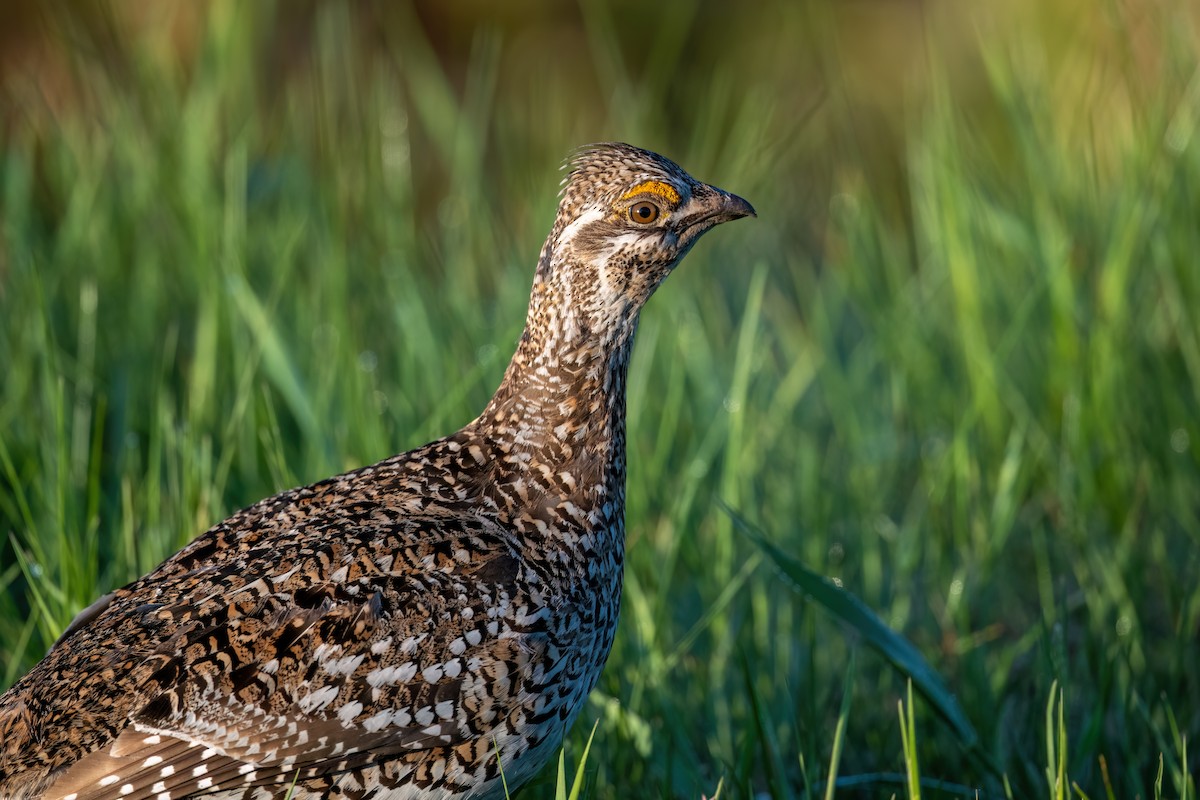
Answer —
(967, 394)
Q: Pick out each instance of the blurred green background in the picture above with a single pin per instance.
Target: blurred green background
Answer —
(954, 365)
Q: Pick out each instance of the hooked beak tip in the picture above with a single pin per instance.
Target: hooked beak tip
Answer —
(736, 207)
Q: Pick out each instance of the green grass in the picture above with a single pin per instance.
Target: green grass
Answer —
(953, 367)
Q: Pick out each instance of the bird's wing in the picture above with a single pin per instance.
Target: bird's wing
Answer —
(325, 659)
(144, 763)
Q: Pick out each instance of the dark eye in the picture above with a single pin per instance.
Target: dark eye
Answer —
(643, 213)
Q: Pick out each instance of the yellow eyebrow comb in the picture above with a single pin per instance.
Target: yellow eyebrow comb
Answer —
(663, 190)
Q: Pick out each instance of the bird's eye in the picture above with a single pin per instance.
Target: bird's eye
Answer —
(643, 213)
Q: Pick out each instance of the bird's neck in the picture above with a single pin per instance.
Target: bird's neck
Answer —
(556, 425)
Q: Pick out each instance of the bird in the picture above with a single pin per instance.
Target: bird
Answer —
(427, 626)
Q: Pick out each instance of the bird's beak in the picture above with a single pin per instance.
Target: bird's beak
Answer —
(734, 207)
(711, 206)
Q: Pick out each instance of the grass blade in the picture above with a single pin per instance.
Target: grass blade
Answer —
(895, 648)
(839, 733)
(908, 739)
(577, 785)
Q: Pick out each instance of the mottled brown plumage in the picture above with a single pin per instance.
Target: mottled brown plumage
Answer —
(389, 632)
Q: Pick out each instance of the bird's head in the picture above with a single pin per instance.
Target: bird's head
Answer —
(626, 218)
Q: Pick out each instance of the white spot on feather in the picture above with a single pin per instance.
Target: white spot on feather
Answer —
(315, 701)
(349, 711)
(344, 666)
(377, 722)
(387, 676)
